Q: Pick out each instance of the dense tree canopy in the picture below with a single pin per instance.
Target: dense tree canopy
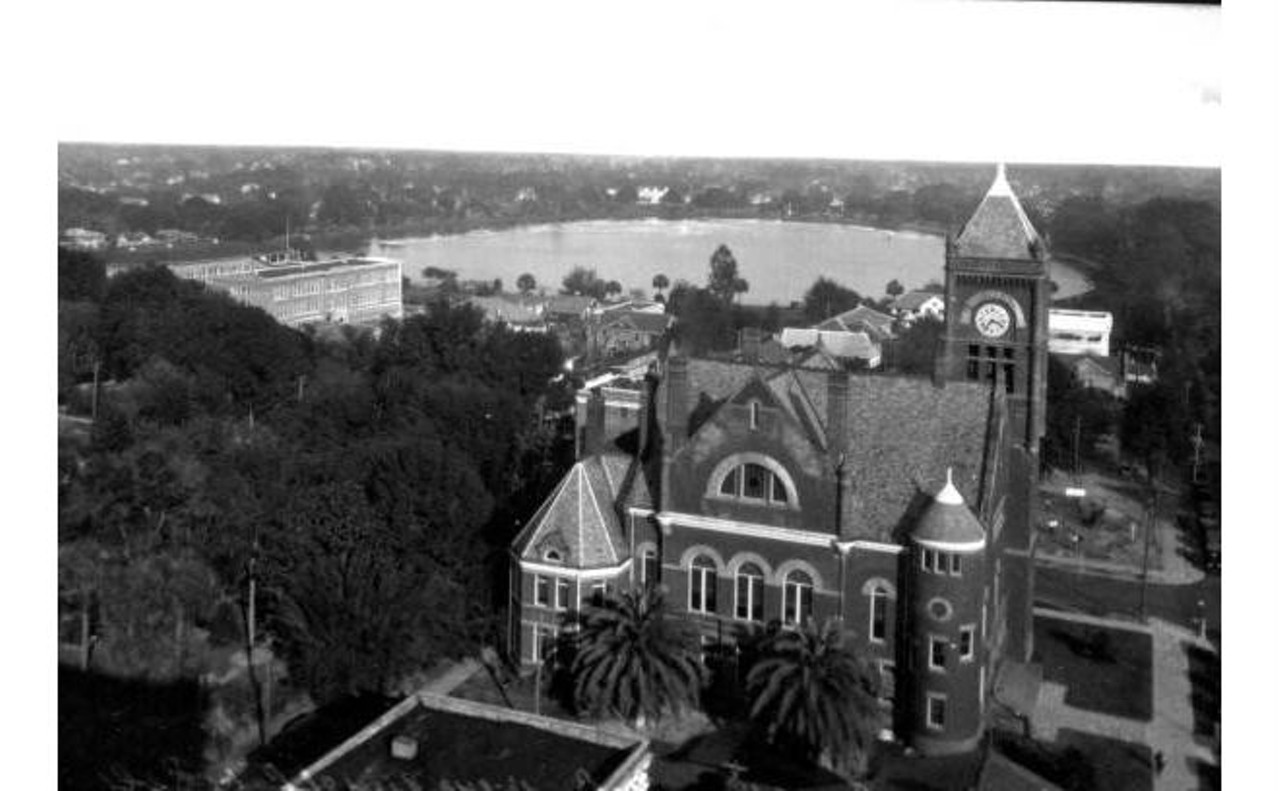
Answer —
(584, 281)
(723, 281)
(827, 298)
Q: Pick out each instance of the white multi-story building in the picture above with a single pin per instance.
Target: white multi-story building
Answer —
(1080, 332)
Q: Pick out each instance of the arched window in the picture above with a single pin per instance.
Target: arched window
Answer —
(797, 598)
(702, 585)
(749, 605)
(754, 482)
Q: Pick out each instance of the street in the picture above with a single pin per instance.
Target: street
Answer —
(1066, 589)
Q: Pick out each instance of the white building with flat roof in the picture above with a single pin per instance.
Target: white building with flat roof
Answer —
(1080, 332)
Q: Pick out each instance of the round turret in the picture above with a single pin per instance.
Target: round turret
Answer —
(948, 620)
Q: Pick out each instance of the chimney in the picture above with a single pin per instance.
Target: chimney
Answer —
(593, 432)
(837, 413)
(749, 343)
(677, 401)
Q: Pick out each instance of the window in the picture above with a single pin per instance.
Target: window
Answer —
(755, 482)
(755, 415)
(966, 643)
(649, 567)
(702, 585)
(750, 593)
(542, 591)
(955, 565)
(936, 711)
(797, 598)
(879, 615)
(598, 591)
(937, 653)
(562, 593)
(927, 559)
(989, 363)
(940, 562)
(544, 643)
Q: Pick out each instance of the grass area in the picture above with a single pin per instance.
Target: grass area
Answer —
(1079, 761)
(1104, 670)
(1206, 689)
(1109, 520)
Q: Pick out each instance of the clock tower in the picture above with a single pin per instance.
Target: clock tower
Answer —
(997, 317)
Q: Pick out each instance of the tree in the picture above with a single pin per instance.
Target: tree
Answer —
(723, 281)
(583, 280)
(634, 662)
(81, 276)
(811, 692)
(660, 283)
(827, 298)
(526, 284)
(913, 351)
(612, 288)
(894, 288)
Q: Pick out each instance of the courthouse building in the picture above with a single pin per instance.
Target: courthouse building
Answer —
(900, 505)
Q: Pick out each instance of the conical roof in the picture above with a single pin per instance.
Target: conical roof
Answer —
(999, 228)
(948, 523)
(577, 521)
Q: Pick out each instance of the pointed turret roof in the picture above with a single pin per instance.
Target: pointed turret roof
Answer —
(948, 523)
(578, 521)
(999, 228)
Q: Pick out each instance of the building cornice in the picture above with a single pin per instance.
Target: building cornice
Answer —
(534, 567)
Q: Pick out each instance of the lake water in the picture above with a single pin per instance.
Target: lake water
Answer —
(780, 260)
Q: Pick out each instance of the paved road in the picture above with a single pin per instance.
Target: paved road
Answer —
(1070, 590)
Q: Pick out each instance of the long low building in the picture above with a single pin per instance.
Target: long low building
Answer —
(339, 290)
(1080, 332)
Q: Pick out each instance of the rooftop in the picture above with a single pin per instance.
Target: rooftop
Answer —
(428, 740)
(999, 228)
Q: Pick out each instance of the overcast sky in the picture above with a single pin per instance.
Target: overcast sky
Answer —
(1072, 82)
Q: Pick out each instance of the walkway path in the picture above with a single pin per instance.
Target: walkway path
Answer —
(1171, 730)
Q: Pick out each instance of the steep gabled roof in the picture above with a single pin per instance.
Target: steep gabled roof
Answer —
(903, 433)
(948, 522)
(999, 228)
(579, 520)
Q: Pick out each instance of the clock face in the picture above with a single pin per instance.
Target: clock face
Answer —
(992, 319)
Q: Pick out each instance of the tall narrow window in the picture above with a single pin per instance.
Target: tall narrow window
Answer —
(879, 615)
(544, 643)
(541, 591)
(937, 653)
(754, 481)
(755, 414)
(966, 643)
(750, 593)
(955, 565)
(562, 593)
(797, 598)
(702, 585)
(599, 590)
(936, 712)
(649, 567)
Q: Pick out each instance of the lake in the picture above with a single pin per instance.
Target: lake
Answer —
(780, 260)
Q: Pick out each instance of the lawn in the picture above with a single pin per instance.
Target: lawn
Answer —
(1206, 680)
(1079, 761)
(1104, 670)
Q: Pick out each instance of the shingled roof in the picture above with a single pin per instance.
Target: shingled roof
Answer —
(903, 433)
(579, 521)
(999, 228)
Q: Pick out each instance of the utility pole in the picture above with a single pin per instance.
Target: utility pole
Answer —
(1146, 550)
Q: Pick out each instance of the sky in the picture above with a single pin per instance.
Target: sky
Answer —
(942, 80)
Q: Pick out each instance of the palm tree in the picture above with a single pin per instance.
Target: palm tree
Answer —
(633, 662)
(813, 693)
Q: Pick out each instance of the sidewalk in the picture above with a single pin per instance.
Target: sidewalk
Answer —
(1171, 730)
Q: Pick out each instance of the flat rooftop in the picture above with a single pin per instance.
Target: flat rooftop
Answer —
(310, 267)
(467, 742)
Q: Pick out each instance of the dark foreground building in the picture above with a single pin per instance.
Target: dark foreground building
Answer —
(900, 505)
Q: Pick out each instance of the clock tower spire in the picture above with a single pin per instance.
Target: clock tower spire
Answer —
(997, 317)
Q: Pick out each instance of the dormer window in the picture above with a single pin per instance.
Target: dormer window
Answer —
(755, 415)
(552, 556)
